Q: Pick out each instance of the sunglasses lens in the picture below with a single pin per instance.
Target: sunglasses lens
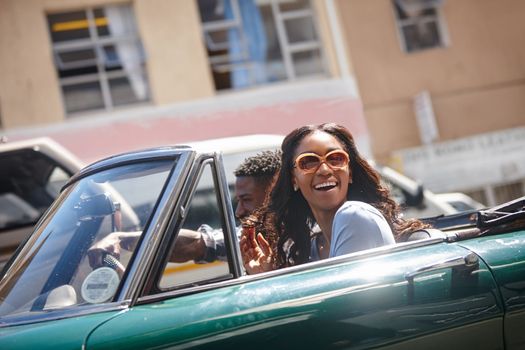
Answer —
(308, 162)
(337, 159)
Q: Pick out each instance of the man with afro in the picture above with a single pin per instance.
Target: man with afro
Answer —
(253, 179)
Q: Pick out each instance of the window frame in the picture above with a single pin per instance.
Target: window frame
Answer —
(102, 77)
(177, 219)
(206, 168)
(223, 63)
(438, 19)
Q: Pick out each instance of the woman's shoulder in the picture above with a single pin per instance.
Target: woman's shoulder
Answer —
(363, 219)
(357, 226)
(357, 208)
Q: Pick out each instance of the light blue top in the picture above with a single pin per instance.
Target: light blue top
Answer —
(357, 226)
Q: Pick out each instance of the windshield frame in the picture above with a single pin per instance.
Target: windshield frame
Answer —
(182, 163)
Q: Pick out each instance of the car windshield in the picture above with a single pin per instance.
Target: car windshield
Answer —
(55, 262)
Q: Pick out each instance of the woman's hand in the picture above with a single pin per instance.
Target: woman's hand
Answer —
(256, 253)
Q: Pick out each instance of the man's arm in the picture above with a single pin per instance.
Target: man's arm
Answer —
(202, 246)
(190, 245)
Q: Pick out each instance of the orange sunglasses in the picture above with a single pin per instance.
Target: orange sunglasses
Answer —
(310, 162)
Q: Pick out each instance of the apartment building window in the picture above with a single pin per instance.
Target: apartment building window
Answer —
(99, 58)
(255, 42)
(420, 24)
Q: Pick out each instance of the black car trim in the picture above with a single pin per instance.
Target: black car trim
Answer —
(139, 266)
(151, 154)
(176, 222)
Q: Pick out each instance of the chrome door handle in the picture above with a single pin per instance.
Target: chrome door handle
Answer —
(469, 260)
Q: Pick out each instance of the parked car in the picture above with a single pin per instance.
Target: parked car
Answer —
(416, 201)
(458, 287)
(460, 201)
(32, 173)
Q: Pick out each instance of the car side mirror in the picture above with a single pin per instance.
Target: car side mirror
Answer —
(95, 206)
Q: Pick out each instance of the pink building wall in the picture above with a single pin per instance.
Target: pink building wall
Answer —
(93, 138)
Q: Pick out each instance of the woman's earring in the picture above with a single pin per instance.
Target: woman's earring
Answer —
(295, 187)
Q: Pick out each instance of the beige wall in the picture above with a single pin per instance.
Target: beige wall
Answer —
(170, 30)
(29, 90)
(177, 60)
(28, 85)
(477, 83)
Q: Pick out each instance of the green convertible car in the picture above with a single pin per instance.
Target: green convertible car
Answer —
(461, 286)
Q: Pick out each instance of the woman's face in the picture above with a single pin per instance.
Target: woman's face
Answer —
(325, 188)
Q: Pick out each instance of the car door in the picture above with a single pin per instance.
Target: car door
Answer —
(426, 294)
(505, 256)
(434, 296)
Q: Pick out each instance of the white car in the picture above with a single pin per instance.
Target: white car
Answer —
(460, 201)
(32, 172)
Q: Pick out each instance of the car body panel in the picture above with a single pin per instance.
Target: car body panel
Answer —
(508, 268)
(69, 333)
(363, 302)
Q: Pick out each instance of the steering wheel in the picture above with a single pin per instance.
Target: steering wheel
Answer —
(112, 262)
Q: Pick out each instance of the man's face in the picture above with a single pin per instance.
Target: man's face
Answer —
(249, 195)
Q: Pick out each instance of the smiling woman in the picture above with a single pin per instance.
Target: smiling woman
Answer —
(323, 183)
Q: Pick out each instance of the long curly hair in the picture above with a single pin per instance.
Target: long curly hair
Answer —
(286, 214)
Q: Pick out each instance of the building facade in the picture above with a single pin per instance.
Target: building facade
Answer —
(414, 80)
(443, 89)
(142, 73)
